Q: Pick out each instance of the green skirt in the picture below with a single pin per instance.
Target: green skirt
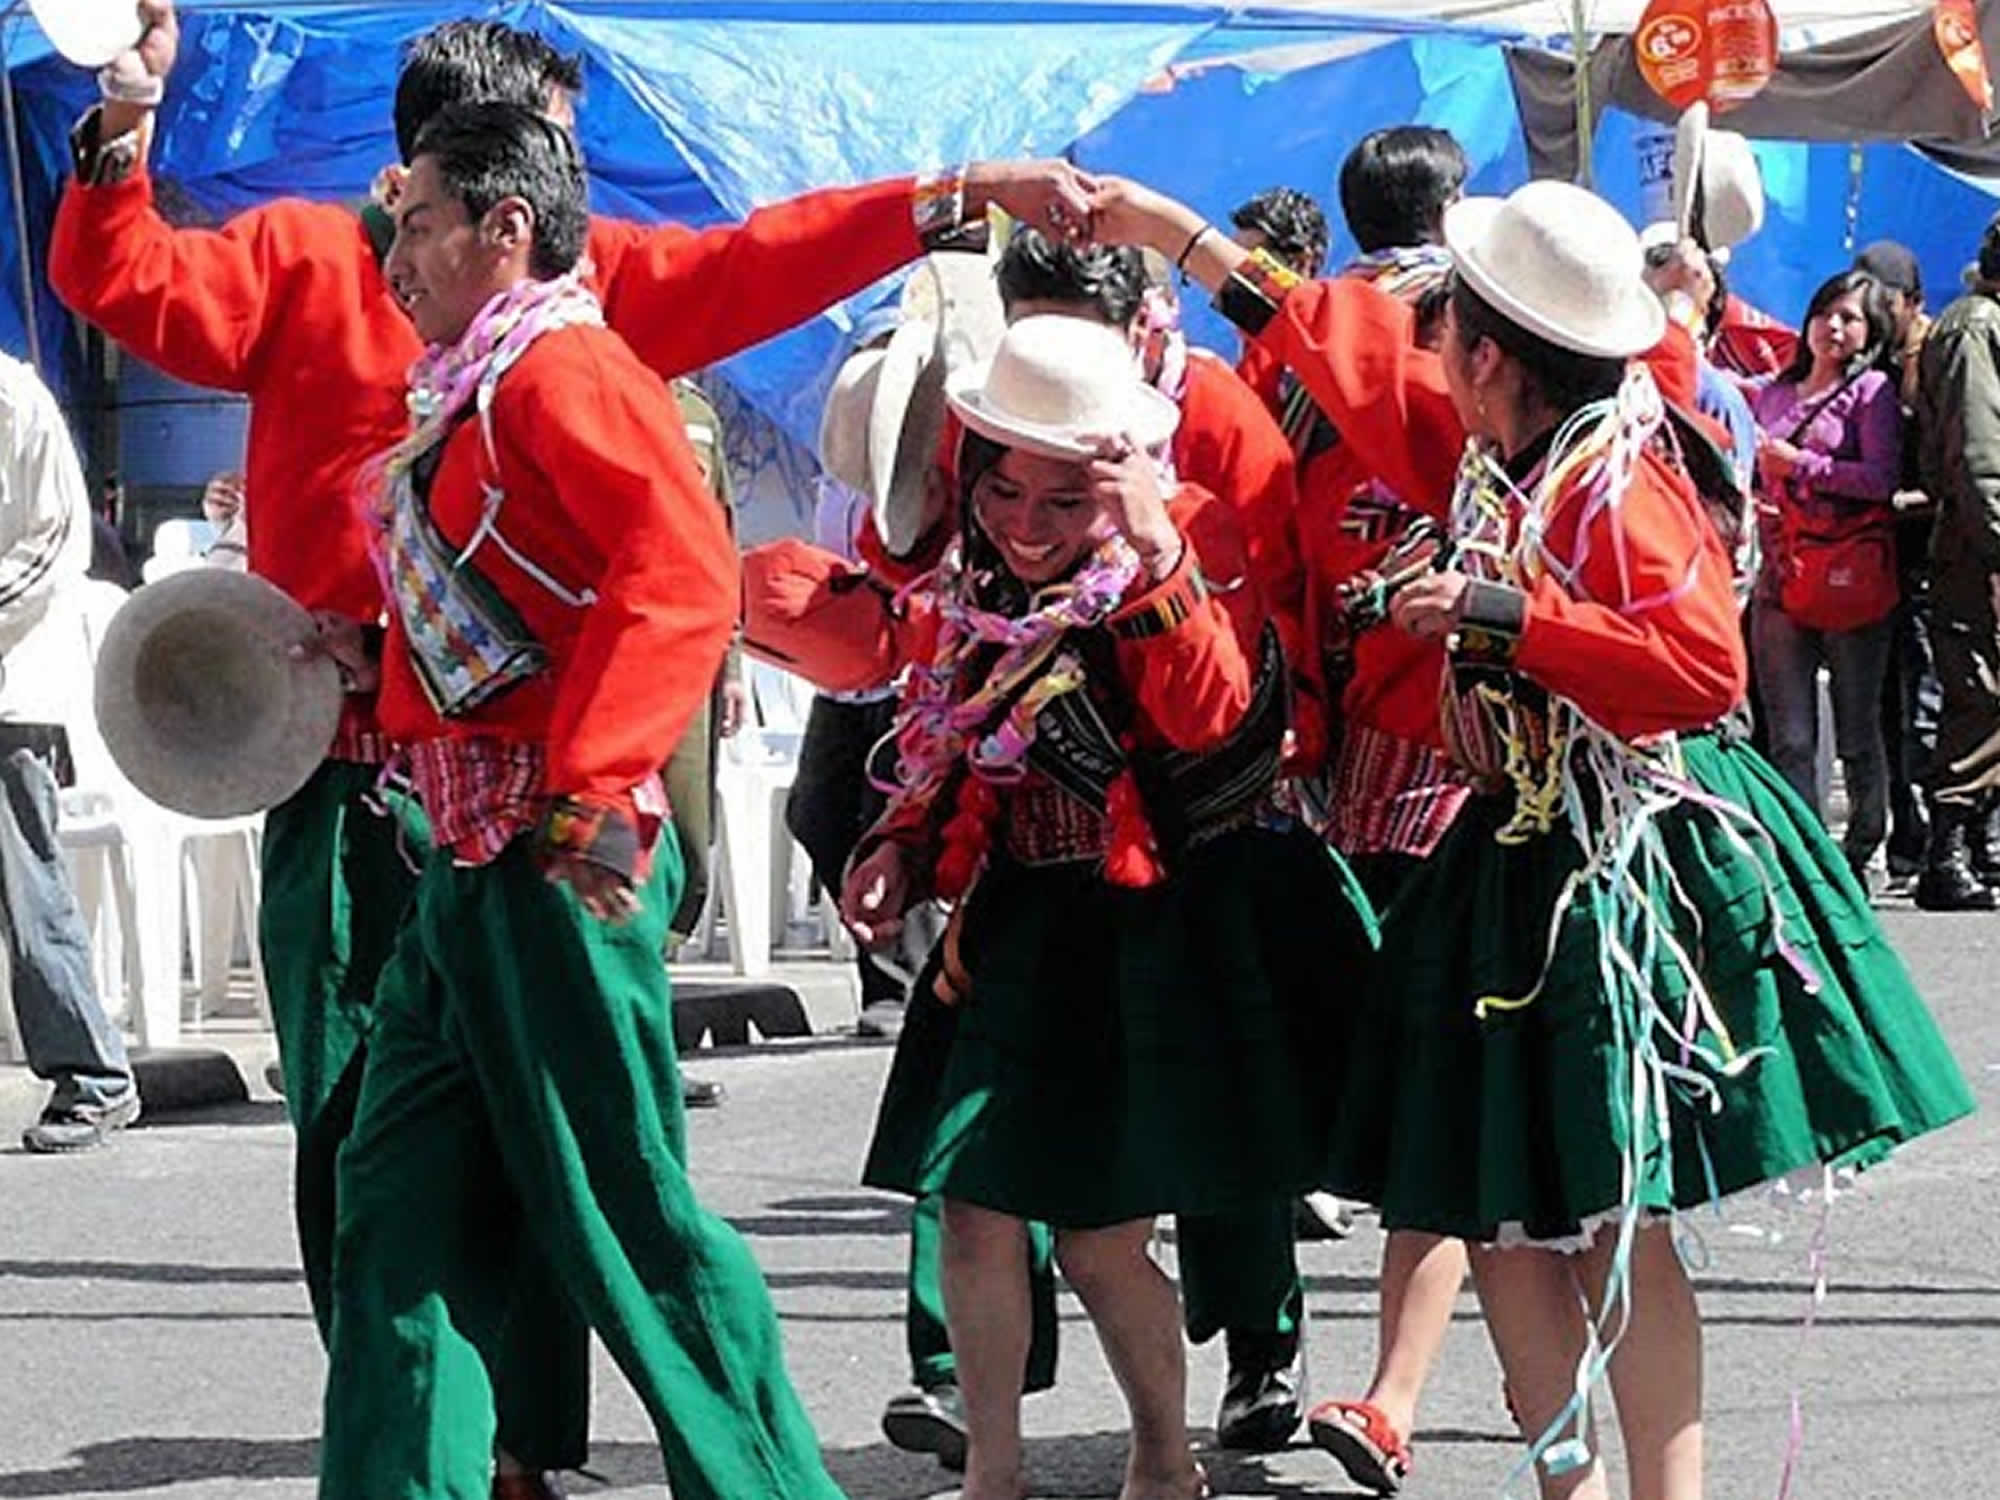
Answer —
(1127, 1053)
(1514, 1126)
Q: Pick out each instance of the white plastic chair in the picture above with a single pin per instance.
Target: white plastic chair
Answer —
(762, 878)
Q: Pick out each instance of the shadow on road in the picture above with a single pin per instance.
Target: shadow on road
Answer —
(129, 1464)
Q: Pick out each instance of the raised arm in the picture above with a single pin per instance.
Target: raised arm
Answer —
(685, 298)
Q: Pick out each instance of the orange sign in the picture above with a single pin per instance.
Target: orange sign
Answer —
(1957, 30)
(1722, 51)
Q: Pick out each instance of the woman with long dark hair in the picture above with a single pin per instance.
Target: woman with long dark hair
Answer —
(1829, 457)
(1661, 984)
(1122, 1016)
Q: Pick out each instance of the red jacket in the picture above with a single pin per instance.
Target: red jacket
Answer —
(604, 496)
(287, 305)
(1676, 666)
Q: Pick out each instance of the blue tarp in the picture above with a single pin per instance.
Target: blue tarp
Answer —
(699, 111)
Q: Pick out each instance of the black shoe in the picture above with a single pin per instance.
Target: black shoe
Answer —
(1982, 848)
(1948, 883)
(1953, 887)
(930, 1420)
(701, 1093)
(78, 1127)
(1263, 1396)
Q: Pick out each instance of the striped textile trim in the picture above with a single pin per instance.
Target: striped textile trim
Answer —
(1392, 795)
(479, 794)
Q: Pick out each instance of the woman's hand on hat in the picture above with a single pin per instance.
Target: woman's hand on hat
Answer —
(1053, 195)
(875, 895)
(343, 642)
(1428, 607)
(1125, 483)
(603, 892)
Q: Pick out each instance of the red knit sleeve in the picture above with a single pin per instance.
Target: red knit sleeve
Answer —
(1193, 681)
(684, 299)
(607, 439)
(195, 302)
(1353, 348)
(1652, 640)
(832, 623)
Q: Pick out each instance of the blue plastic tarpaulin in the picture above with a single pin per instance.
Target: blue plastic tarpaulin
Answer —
(699, 111)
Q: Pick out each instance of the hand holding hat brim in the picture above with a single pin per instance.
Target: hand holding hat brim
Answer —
(201, 701)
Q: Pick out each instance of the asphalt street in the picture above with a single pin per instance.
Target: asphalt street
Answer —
(155, 1338)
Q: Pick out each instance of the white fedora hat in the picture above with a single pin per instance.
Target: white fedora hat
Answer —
(1718, 190)
(1560, 262)
(90, 33)
(1057, 385)
(199, 700)
(952, 319)
(843, 423)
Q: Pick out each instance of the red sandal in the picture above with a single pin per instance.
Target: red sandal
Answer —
(1362, 1442)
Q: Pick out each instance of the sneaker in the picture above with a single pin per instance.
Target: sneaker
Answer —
(79, 1127)
(1262, 1398)
(928, 1421)
(881, 1018)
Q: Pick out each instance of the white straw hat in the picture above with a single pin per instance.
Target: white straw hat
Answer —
(199, 700)
(884, 417)
(90, 33)
(1057, 385)
(1561, 263)
(843, 423)
(952, 319)
(1728, 207)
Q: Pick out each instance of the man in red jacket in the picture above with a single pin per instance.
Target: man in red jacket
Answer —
(562, 590)
(288, 305)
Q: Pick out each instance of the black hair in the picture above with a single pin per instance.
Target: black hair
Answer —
(1395, 185)
(1989, 251)
(1718, 302)
(1564, 380)
(1293, 226)
(464, 62)
(1107, 280)
(1874, 307)
(490, 151)
(993, 585)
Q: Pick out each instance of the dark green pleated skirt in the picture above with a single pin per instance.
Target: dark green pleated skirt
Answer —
(1513, 1124)
(1126, 1053)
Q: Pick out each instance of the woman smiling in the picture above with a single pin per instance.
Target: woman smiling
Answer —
(1119, 1020)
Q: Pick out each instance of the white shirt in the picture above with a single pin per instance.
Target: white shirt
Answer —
(44, 555)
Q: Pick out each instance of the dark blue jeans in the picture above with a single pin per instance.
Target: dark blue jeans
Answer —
(68, 1038)
(1788, 658)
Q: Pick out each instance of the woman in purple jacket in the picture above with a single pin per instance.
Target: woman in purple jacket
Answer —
(1829, 453)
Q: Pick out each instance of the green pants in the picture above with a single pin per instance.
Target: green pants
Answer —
(337, 881)
(1239, 1274)
(522, 1086)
